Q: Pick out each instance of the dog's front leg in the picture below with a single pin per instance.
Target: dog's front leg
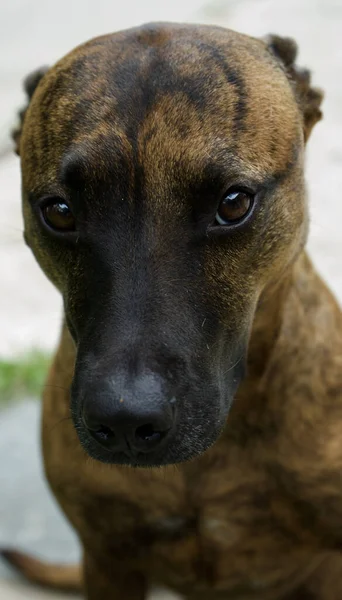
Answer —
(111, 581)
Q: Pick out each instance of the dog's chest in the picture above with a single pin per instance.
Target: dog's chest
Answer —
(233, 545)
(223, 526)
(215, 529)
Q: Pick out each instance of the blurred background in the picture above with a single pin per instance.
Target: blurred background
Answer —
(39, 32)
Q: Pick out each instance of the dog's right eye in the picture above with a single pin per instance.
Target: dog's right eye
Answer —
(58, 216)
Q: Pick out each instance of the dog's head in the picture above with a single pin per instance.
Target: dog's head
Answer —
(162, 172)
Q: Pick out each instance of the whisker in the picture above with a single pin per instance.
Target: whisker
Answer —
(59, 422)
(234, 365)
(54, 386)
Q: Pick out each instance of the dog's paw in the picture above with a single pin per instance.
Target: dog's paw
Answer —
(30, 84)
(309, 98)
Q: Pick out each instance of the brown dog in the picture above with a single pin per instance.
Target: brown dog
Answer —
(163, 194)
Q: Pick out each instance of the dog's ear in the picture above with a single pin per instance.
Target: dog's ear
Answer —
(309, 98)
(30, 85)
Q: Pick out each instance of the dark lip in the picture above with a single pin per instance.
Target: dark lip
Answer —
(140, 460)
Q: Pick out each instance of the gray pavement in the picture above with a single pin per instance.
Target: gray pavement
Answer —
(29, 516)
(38, 32)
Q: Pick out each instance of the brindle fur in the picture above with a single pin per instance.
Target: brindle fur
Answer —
(174, 113)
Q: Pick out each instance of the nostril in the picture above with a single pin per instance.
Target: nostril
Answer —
(104, 433)
(147, 433)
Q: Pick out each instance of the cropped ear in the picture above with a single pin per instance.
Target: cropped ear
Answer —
(309, 98)
(30, 84)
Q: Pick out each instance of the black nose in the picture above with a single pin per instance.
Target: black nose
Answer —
(129, 417)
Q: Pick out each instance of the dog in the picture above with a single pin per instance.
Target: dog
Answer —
(193, 411)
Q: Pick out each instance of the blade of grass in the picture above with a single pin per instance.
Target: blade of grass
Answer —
(23, 376)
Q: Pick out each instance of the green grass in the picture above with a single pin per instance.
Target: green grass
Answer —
(23, 376)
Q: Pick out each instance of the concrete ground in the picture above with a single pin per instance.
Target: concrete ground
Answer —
(36, 32)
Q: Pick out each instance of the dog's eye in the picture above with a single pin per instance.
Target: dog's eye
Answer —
(235, 205)
(58, 216)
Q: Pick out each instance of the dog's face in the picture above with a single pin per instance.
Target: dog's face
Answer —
(163, 191)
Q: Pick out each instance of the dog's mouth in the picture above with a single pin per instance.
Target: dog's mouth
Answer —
(171, 454)
(171, 447)
(196, 427)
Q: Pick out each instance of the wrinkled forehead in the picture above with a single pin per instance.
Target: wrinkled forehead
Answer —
(169, 99)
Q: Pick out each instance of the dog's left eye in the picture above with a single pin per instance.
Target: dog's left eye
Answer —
(234, 207)
(58, 216)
